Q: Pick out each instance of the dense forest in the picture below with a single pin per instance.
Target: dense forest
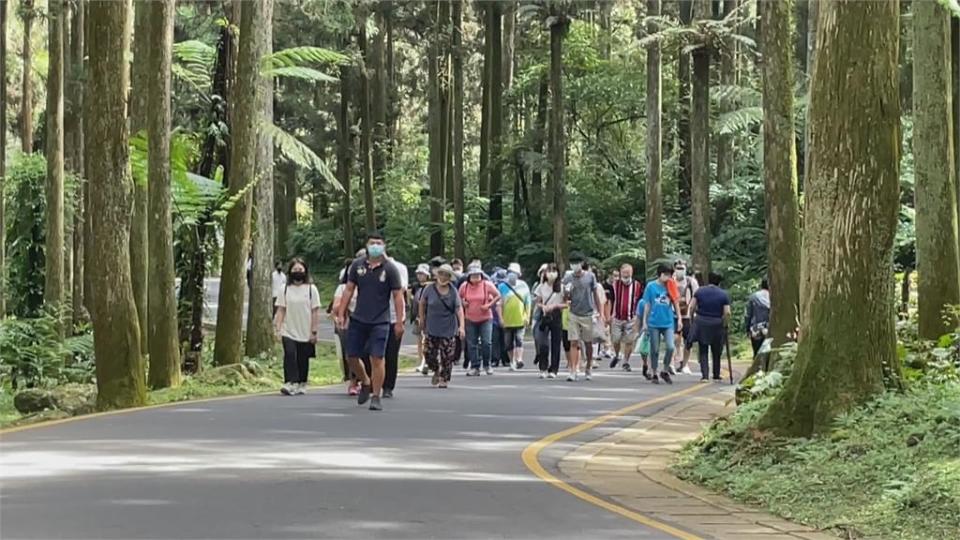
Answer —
(150, 145)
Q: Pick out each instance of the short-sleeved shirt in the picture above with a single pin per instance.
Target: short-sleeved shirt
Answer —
(710, 301)
(661, 305)
(441, 311)
(277, 282)
(404, 283)
(375, 286)
(546, 295)
(474, 297)
(580, 291)
(299, 302)
(514, 306)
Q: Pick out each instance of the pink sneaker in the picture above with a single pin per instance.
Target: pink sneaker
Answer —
(353, 390)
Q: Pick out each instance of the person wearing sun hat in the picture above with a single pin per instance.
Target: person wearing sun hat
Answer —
(424, 277)
(441, 322)
(479, 298)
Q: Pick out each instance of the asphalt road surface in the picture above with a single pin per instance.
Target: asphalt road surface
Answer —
(434, 464)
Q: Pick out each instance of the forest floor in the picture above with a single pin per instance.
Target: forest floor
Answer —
(890, 469)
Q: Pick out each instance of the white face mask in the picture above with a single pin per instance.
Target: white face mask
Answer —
(551, 276)
(680, 274)
(626, 279)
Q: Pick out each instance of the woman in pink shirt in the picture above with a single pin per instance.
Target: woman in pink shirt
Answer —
(479, 298)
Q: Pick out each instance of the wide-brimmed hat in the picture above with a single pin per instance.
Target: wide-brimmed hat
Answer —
(515, 268)
(445, 269)
(423, 269)
(474, 270)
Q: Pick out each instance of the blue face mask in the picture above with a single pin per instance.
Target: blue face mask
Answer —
(375, 250)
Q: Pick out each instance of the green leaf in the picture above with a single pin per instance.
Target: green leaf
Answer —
(299, 72)
(739, 120)
(299, 153)
(300, 56)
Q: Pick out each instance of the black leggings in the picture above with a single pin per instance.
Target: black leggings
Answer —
(550, 347)
(710, 336)
(392, 358)
(296, 360)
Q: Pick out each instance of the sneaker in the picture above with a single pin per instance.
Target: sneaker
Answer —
(443, 384)
(626, 367)
(572, 377)
(717, 379)
(489, 371)
(435, 380)
(519, 365)
(615, 361)
(551, 375)
(543, 374)
(375, 404)
(655, 380)
(666, 377)
(353, 390)
(513, 367)
(473, 373)
(387, 394)
(287, 389)
(670, 369)
(646, 372)
(704, 380)
(588, 377)
(686, 370)
(301, 389)
(364, 394)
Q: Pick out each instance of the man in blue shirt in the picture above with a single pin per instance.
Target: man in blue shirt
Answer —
(376, 281)
(658, 315)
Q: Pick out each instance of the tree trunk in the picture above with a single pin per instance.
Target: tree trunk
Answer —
(802, 30)
(378, 61)
(955, 87)
(728, 77)
(3, 158)
(483, 169)
(54, 292)
(699, 150)
(851, 209)
(116, 332)
(138, 120)
(343, 158)
(654, 213)
(247, 108)
(163, 343)
(683, 112)
(539, 137)
(74, 133)
(435, 131)
(459, 229)
(26, 90)
(260, 336)
(557, 142)
(938, 260)
(495, 215)
(780, 169)
(813, 22)
(366, 126)
(392, 111)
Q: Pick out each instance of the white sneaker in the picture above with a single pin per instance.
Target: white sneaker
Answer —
(686, 370)
(588, 377)
(572, 377)
(513, 366)
(287, 389)
(543, 374)
(551, 375)
(489, 371)
(300, 389)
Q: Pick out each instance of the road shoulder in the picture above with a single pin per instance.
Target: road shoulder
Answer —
(630, 468)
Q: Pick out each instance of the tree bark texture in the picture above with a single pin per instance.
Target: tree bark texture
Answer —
(483, 169)
(495, 215)
(435, 132)
(459, 229)
(558, 143)
(138, 120)
(3, 157)
(654, 187)
(161, 300)
(852, 204)
(116, 332)
(343, 158)
(260, 335)
(26, 88)
(699, 149)
(74, 140)
(728, 77)
(246, 122)
(366, 128)
(54, 292)
(683, 112)
(537, 199)
(780, 169)
(378, 65)
(938, 261)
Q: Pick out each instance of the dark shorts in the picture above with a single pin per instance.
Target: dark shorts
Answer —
(565, 339)
(513, 338)
(686, 328)
(365, 338)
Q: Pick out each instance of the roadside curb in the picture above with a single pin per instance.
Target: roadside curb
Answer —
(631, 468)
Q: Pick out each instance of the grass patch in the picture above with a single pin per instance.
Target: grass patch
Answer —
(324, 370)
(890, 469)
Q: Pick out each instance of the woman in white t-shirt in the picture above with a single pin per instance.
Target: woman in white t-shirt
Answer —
(297, 323)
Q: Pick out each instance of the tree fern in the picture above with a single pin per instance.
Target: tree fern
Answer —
(739, 120)
(299, 153)
(304, 55)
(193, 64)
(299, 72)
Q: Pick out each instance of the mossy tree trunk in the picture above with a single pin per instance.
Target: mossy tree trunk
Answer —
(780, 168)
(73, 132)
(260, 336)
(938, 261)
(139, 235)
(654, 187)
(848, 341)
(247, 119)
(699, 148)
(54, 291)
(116, 332)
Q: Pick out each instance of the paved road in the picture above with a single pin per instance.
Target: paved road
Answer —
(434, 464)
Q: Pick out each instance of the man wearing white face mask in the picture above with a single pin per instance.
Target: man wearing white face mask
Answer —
(686, 287)
(625, 327)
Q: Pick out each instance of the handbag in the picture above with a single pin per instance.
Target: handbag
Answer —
(643, 345)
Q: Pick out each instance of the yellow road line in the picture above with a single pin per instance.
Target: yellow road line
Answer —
(531, 458)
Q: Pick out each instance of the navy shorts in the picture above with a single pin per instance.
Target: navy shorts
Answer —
(365, 338)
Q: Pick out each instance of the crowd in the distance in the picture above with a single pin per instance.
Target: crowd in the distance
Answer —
(479, 320)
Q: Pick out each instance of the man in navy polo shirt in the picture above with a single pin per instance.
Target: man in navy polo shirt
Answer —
(375, 280)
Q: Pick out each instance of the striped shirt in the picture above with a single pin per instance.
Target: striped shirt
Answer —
(625, 299)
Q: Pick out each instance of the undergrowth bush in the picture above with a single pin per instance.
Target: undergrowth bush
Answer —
(33, 355)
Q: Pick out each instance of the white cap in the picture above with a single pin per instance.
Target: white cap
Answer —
(423, 269)
(515, 268)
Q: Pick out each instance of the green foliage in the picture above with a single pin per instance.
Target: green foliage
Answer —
(32, 354)
(299, 153)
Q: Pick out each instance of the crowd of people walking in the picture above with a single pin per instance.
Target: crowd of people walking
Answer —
(466, 316)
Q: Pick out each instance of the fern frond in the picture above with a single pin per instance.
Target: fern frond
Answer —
(299, 153)
(744, 95)
(299, 72)
(300, 56)
(193, 63)
(739, 120)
